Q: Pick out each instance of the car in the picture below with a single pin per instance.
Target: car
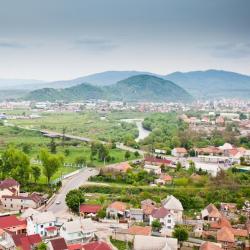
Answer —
(58, 202)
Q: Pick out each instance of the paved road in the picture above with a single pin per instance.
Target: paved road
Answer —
(61, 210)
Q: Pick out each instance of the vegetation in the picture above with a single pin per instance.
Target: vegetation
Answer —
(180, 233)
(135, 88)
(121, 245)
(74, 199)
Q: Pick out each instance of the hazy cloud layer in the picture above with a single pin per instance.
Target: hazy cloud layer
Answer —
(62, 39)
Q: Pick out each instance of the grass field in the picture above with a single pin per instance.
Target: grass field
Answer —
(19, 138)
(88, 124)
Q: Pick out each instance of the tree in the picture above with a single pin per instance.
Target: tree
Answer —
(36, 172)
(180, 233)
(127, 155)
(156, 224)
(74, 199)
(101, 213)
(242, 219)
(63, 135)
(136, 153)
(80, 160)
(51, 163)
(178, 166)
(41, 246)
(191, 168)
(52, 146)
(16, 164)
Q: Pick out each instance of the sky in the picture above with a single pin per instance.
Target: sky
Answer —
(64, 39)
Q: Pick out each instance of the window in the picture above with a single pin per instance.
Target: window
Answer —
(169, 221)
(50, 224)
(41, 226)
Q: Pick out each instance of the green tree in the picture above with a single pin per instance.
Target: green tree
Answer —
(178, 166)
(180, 233)
(156, 225)
(80, 160)
(127, 155)
(242, 219)
(74, 199)
(51, 163)
(41, 246)
(15, 164)
(136, 153)
(36, 172)
(101, 213)
(52, 146)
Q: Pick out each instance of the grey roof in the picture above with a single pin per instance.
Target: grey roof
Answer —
(142, 242)
(172, 203)
(44, 217)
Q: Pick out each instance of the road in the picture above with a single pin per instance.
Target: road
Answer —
(61, 210)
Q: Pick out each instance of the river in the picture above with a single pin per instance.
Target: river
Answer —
(143, 133)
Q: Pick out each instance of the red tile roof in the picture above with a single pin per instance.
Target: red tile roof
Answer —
(160, 212)
(157, 160)
(52, 228)
(87, 208)
(138, 230)
(59, 244)
(209, 246)
(225, 235)
(75, 247)
(120, 206)
(97, 245)
(26, 242)
(11, 221)
(7, 183)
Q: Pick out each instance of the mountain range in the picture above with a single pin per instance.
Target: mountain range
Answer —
(135, 88)
(209, 84)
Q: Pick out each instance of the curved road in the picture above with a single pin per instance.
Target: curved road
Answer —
(58, 205)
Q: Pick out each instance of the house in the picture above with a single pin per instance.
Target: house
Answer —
(211, 150)
(136, 214)
(228, 207)
(6, 241)
(88, 210)
(147, 207)
(26, 242)
(20, 202)
(179, 152)
(219, 120)
(94, 245)
(198, 230)
(9, 187)
(164, 179)
(13, 224)
(210, 213)
(210, 246)
(174, 206)
(43, 224)
(57, 244)
(129, 234)
(122, 167)
(166, 218)
(154, 243)
(157, 161)
(226, 148)
(226, 238)
(28, 212)
(155, 169)
(116, 209)
(77, 230)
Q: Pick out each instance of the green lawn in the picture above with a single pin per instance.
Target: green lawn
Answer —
(20, 137)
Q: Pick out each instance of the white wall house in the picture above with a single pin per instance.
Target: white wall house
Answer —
(165, 217)
(174, 206)
(78, 230)
(152, 169)
(43, 224)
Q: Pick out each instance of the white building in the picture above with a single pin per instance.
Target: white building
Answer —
(42, 223)
(165, 217)
(174, 206)
(78, 230)
(152, 169)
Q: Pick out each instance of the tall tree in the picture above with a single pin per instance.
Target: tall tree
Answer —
(15, 164)
(36, 172)
(74, 198)
(51, 163)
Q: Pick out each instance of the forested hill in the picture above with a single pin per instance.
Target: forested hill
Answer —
(135, 88)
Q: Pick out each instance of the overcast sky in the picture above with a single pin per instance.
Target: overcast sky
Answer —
(63, 39)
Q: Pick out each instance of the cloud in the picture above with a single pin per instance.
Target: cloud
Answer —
(11, 45)
(231, 50)
(95, 44)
